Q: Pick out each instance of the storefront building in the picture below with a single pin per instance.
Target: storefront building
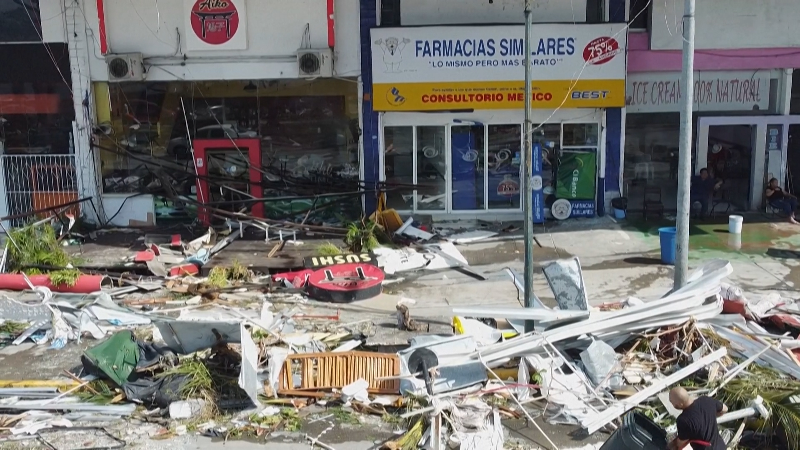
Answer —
(36, 113)
(449, 105)
(742, 92)
(196, 102)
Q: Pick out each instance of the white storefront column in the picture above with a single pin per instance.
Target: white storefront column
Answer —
(87, 160)
(784, 91)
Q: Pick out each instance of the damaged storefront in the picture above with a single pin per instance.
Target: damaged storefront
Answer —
(452, 116)
(200, 110)
(177, 145)
(738, 136)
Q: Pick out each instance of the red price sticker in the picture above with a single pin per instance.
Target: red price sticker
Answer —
(601, 50)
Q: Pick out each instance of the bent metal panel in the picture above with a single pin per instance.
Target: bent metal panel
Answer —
(451, 68)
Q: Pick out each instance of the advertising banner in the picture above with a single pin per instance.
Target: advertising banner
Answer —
(537, 184)
(577, 175)
(482, 67)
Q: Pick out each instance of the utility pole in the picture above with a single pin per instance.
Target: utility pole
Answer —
(685, 152)
(527, 152)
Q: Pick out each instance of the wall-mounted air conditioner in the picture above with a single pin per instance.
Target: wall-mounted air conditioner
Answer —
(312, 63)
(125, 67)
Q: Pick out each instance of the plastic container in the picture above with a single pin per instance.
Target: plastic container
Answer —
(735, 224)
(668, 244)
(637, 433)
(619, 214)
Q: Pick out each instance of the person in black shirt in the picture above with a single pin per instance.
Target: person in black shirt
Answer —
(697, 424)
(702, 190)
(780, 199)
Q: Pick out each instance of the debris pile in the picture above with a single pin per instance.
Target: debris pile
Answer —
(231, 351)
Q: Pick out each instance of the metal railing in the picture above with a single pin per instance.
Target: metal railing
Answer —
(36, 182)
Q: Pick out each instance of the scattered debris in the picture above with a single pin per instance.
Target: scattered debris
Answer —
(182, 337)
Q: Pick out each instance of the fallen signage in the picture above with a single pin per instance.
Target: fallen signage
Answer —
(316, 262)
(345, 283)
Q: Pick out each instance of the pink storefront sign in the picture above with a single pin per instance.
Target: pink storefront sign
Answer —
(730, 90)
(642, 59)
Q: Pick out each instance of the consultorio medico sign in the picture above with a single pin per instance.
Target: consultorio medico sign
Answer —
(455, 68)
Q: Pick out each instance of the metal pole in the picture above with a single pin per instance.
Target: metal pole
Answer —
(685, 153)
(527, 194)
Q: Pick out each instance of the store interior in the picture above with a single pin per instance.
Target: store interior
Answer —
(307, 131)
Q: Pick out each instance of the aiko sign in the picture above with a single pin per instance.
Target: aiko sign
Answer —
(713, 91)
(215, 24)
(482, 67)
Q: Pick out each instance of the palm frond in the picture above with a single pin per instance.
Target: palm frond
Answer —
(781, 396)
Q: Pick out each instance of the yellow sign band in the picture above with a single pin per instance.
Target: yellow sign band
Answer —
(448, 96)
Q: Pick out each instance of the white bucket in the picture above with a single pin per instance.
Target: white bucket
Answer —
(735, 224)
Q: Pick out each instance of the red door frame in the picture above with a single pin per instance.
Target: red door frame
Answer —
(251, 146)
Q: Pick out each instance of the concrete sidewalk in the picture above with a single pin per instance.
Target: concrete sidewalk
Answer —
(618, 261)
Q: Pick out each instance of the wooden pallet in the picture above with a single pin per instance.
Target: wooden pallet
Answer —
(326, 371)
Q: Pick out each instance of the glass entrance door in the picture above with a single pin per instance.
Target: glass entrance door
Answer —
(467, 168)
(432, 169)
(485, 167)
(729, 157)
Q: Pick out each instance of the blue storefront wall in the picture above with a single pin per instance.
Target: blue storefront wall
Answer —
(369, 127)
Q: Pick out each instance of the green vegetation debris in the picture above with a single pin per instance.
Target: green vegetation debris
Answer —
(65, 277)
(391, 419)
(780, 396)
(328, 249)
(412, 437)
(362, 237)
(199, 384)
(221, 277)
(218, 277)
(287, 417)
(39, 246)
(239, 272)
(13, 328)
(344, 416)
(103, 395)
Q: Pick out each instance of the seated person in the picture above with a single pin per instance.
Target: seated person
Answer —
(702, 191)
(779, 199)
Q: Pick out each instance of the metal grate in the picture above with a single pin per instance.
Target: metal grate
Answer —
(34, 182)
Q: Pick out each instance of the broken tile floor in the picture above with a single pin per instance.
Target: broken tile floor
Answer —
(619, 259)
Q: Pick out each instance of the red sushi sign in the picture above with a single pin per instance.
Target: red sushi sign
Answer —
(215, 22)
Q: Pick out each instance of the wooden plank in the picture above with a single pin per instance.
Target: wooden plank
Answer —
(326, 371)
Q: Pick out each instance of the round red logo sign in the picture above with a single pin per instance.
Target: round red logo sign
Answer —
(215, 22)
(601, 50)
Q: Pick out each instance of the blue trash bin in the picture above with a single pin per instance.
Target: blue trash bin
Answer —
(619, 214)
(668, 244)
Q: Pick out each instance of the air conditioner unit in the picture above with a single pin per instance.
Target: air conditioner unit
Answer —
(312, 63)
(125, 67)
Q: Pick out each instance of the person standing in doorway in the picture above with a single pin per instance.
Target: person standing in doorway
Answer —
(702, 191)
(780, 199)
(697, 424)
